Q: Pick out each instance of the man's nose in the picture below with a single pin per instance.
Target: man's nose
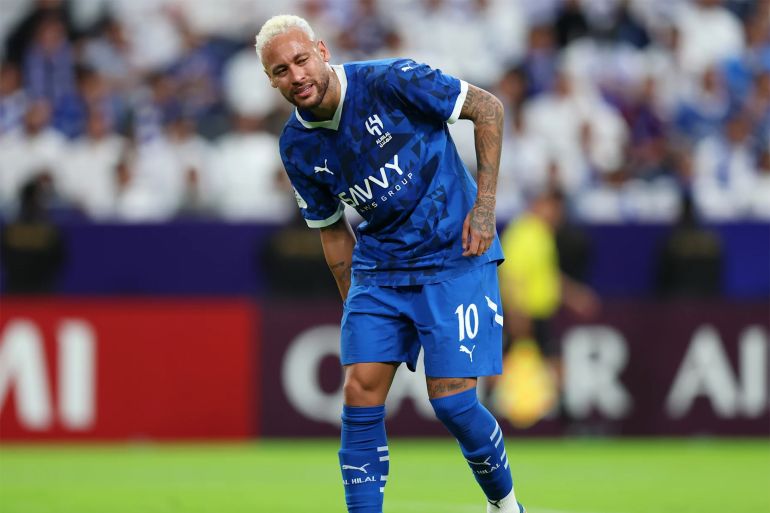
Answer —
(297, 74)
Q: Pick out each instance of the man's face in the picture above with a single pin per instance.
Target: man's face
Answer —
(296, 66)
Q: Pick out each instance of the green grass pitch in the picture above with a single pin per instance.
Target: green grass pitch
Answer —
(426, 476)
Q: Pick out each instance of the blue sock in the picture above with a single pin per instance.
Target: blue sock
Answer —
(364, 458)
(480, 438)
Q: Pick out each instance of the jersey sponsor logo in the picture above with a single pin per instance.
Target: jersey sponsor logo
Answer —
(364, 196)
(324, 169)
(467, 351)
(362, 468)
(300, 201)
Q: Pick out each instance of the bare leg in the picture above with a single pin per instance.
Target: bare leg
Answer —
(367, 384)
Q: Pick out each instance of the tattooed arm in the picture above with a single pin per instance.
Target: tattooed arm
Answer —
(338, 241)
(486, 112)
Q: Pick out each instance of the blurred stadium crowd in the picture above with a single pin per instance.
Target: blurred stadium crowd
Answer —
(150, 110)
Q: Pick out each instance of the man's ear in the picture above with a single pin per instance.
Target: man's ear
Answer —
(323, 50)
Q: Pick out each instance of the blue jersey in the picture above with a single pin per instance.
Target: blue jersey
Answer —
(387, 153)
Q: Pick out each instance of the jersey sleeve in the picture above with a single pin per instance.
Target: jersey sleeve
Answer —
(317, 205)
(427, 90)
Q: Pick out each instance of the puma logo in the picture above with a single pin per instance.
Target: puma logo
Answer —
(467, 351)
(485, 463)
(361, 468)
(324, 169)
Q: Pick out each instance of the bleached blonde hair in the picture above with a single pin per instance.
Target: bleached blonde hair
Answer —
(278, 25)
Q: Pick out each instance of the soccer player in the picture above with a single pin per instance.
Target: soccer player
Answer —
(422, 271)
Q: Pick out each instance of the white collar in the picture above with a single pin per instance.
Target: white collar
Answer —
(334, 122)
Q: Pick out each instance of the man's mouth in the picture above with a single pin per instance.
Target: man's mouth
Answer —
(303, 92)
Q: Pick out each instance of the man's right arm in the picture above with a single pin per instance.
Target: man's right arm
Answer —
(338, 242)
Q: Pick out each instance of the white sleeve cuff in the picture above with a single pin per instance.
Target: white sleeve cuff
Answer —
(323, 223)
(459, 103)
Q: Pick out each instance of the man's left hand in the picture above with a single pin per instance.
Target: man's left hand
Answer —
(479, 228)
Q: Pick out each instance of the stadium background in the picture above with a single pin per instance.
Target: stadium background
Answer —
(159, 285)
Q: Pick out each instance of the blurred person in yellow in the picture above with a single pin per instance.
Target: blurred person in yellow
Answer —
(533, 288)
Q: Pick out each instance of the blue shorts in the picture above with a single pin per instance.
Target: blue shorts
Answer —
(457, 322)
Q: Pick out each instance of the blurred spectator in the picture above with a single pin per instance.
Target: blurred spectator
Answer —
(32, 246)
(87, 176)
(49, 66)
(197, 81)
(570, 23)
(233, 19)
(13, 100)
(725, 171)
(648, 130)
(512, 88)
(193, 152)
(741, 69)
(540, 61)
(533, 287)
(367, 32)
(661, 60)
(26, 150)
(690, 260)
(582, 132)
(151, 183)
(626, 27)
(151, 32)
(760, 205)
(153, 105)
(704, 107)
(709, 34)
(757, 106)
(31, 14)
(247, 173)
(109, 54)
(618, 198)
(93, 94)
(245, 88)
(475, 39)
(524, 167)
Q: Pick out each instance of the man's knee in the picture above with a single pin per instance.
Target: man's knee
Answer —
(360, 392)
(366, 385)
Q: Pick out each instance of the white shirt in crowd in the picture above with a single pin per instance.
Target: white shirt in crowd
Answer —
(245, 179)
(87, 176)
(156, 190)
(725, 178)
(708, 36)
(23, 155)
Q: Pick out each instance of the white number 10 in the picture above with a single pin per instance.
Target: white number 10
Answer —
(467, 323)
